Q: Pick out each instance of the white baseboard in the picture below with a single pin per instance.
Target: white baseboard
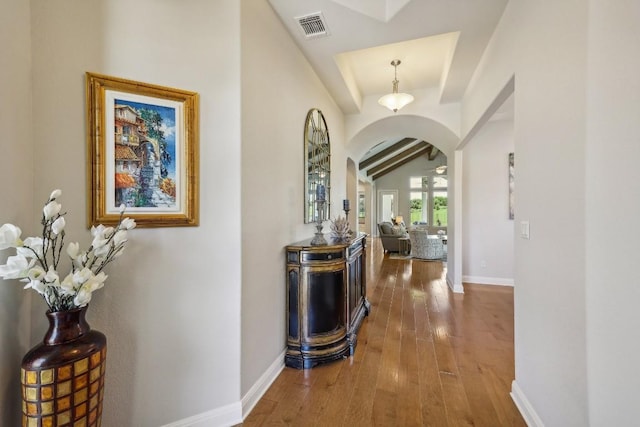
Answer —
(225, 416)
(456, 288)
(524, 406)
(235, 413)
(262, 385)
(498, 281)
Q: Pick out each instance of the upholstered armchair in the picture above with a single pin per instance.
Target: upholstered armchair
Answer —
(389, 236)
(425, 246)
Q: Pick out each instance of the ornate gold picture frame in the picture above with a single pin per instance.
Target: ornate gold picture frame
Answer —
(142, 153)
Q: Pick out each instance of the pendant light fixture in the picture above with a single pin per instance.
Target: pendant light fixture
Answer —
(395, 101)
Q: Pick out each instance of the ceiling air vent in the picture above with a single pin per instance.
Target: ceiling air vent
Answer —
(313, 25)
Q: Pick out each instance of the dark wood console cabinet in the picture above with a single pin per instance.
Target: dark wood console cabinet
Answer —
(326, 300)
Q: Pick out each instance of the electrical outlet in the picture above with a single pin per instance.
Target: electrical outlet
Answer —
(524, 229)
(483, 264)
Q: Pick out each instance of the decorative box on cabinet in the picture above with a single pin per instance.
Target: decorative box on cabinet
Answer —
(326, 300)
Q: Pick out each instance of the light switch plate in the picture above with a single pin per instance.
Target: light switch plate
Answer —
(524, 229)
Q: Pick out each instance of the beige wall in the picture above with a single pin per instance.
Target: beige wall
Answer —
(546, 47)
(16, 193)
(171, 306)
(488, 233)
(612, 251)
(278, 89)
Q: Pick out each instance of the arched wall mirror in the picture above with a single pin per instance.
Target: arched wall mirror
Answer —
(317, 167)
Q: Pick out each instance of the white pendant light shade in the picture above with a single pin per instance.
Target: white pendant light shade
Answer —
(395, 101)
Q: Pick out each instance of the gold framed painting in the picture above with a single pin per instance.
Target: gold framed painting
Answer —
(142, 152)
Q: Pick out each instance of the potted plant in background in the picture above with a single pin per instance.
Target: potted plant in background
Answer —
(63, 377)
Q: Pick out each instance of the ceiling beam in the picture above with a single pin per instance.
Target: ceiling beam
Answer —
(382, 154)
(433, 153)
(398, 157)
(401, 163)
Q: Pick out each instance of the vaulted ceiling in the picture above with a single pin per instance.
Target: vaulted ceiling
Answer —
(387, 157)
(439, 43)
(351, 43)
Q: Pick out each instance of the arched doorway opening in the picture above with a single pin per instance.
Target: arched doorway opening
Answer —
(413, 136)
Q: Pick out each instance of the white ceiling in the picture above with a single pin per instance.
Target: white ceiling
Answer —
(438, 41)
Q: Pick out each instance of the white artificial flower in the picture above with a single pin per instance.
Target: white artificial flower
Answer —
(37, 254)
(101, 251)
(120, 237)
(83, 297)
(101, 236)
(36, 273)
(17, 267)
(67, 285)
(122, 208)
(55, 194)
(31, 247)
(96, 282)
(98, 241)
(52, 278)
(101, 277)
(101, 231)
(128, 224)
(81, 260)
(97, 230)
(36, 285)
(73, 250)
(10, 236)
(51, 209)
(79, 277)
(58, 225)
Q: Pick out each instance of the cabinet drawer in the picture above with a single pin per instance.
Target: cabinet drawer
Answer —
(321, 256)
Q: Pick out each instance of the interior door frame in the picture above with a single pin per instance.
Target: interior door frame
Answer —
(379, 213)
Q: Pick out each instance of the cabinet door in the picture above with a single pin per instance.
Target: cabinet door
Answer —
(293, 304)
(355, 283)
(326, 302)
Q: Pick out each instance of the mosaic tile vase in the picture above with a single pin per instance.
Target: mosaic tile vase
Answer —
(63, 377)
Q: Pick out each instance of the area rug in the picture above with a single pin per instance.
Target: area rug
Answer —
(394, 255)
(398, 256)
(443, 259)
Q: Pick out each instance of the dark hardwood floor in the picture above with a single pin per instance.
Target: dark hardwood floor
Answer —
(425, 357)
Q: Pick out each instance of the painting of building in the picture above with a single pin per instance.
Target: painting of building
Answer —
(144, 155)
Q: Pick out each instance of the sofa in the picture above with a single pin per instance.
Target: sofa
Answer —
(389, 235)
(425, 245)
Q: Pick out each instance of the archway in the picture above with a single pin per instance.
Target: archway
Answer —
(425, 129)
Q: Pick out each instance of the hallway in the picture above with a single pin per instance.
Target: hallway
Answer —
(425, 356)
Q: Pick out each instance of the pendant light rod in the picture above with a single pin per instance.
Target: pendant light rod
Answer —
(395, 64)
